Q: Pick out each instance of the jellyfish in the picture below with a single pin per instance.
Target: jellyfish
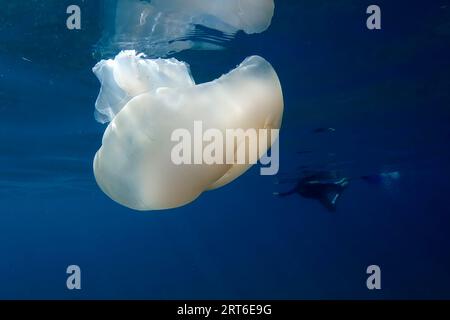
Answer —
(146, 100)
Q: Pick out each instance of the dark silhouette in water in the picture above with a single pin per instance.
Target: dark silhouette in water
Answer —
(327, 186)
(373, 179)
(384, 178)
(324, 130)
(321, 186)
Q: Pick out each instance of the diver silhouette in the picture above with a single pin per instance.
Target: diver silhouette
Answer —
(327, 186)
(321, 186)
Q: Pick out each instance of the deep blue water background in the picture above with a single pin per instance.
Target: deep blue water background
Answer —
(386, 93)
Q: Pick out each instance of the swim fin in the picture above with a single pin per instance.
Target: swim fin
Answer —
(332, 193)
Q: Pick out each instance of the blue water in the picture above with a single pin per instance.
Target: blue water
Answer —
(386, 92)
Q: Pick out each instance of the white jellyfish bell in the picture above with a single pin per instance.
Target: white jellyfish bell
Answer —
(148, 100)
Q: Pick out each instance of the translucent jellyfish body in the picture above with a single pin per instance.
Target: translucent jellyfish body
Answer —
(147, 100)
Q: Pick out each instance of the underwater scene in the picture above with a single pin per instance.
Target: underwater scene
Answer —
(224, 149)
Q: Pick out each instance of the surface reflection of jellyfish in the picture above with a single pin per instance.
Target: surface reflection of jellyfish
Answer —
(161, 27)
